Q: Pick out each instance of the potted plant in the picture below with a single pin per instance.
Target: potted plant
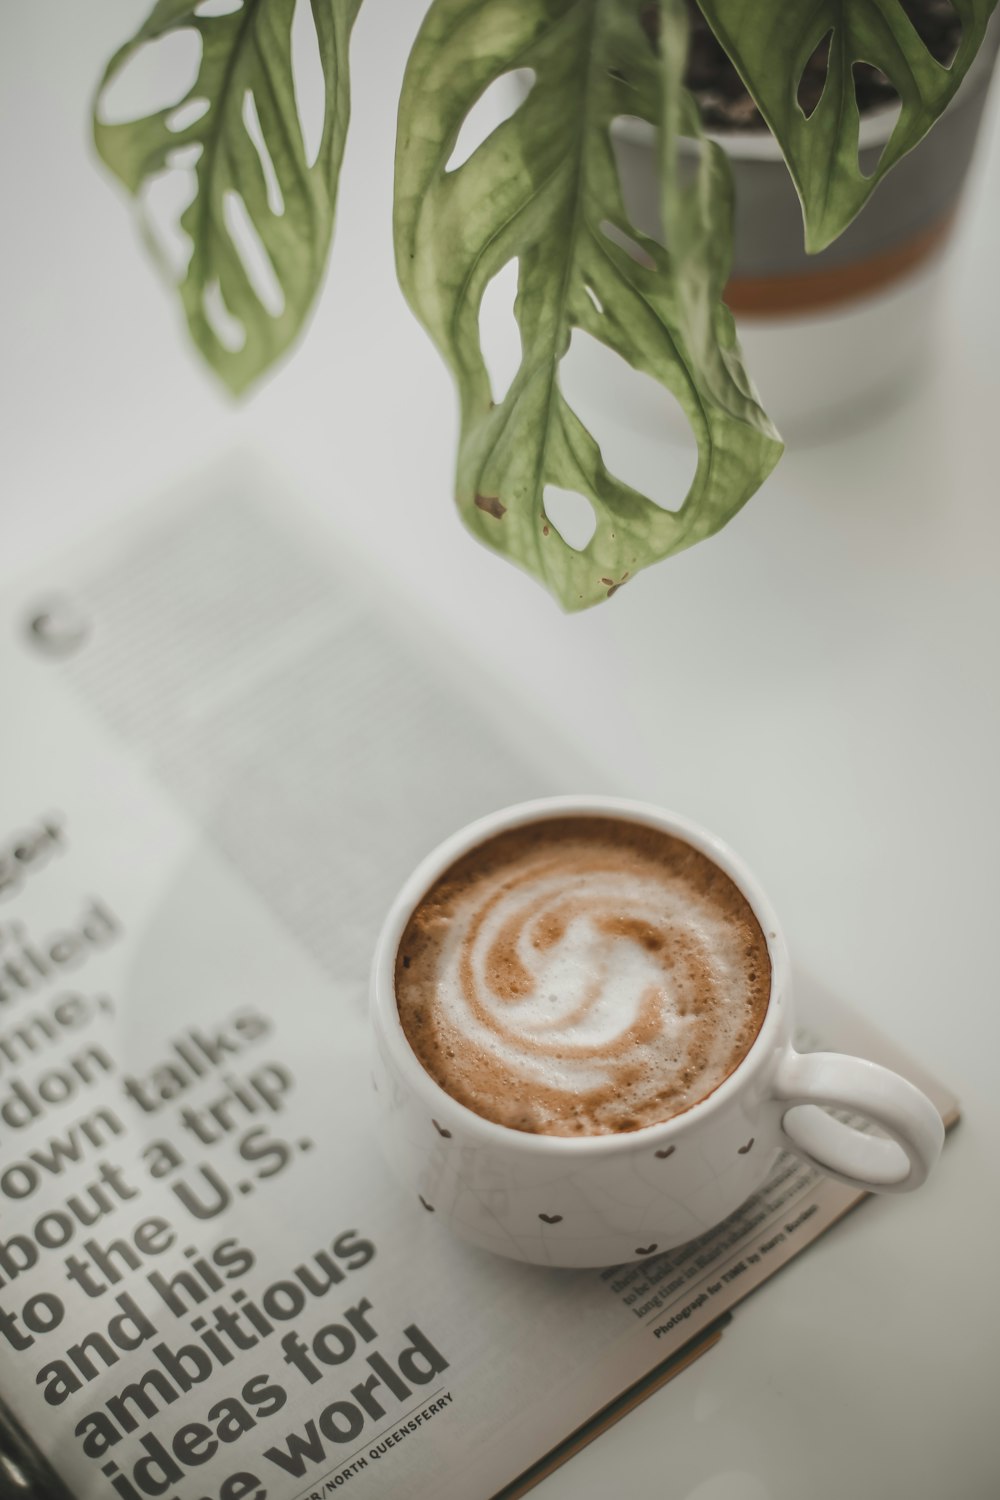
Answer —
(545, 189)
(827, 335)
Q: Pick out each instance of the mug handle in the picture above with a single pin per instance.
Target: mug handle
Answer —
(835, 1081)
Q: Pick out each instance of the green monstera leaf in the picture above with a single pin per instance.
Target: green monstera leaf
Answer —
(771, 41)
(543, 189)
(246, 65)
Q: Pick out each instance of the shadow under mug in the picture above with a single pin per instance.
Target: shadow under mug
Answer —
(606, 1199)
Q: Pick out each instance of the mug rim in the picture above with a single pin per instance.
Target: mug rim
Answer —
(441, 1104)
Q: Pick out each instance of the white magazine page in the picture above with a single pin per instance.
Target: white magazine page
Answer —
(220, 758)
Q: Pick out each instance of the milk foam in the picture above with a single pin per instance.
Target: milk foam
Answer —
(584, 976)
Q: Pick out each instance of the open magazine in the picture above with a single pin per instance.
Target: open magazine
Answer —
(222, 753)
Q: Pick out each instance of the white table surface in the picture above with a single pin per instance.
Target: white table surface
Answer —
(818, 684)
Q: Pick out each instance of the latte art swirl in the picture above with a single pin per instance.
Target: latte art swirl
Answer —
(582, 976)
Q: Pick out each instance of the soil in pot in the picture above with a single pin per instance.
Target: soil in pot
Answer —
(722, 96)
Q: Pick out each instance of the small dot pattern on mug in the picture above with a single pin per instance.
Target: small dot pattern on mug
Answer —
(555, 1228)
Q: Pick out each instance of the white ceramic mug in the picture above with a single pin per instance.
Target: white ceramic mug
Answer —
(603, 1200)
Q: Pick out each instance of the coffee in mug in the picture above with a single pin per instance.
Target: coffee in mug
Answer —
(584, 1020)
(582, 976)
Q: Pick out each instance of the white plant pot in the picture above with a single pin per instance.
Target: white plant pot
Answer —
(830, 338)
